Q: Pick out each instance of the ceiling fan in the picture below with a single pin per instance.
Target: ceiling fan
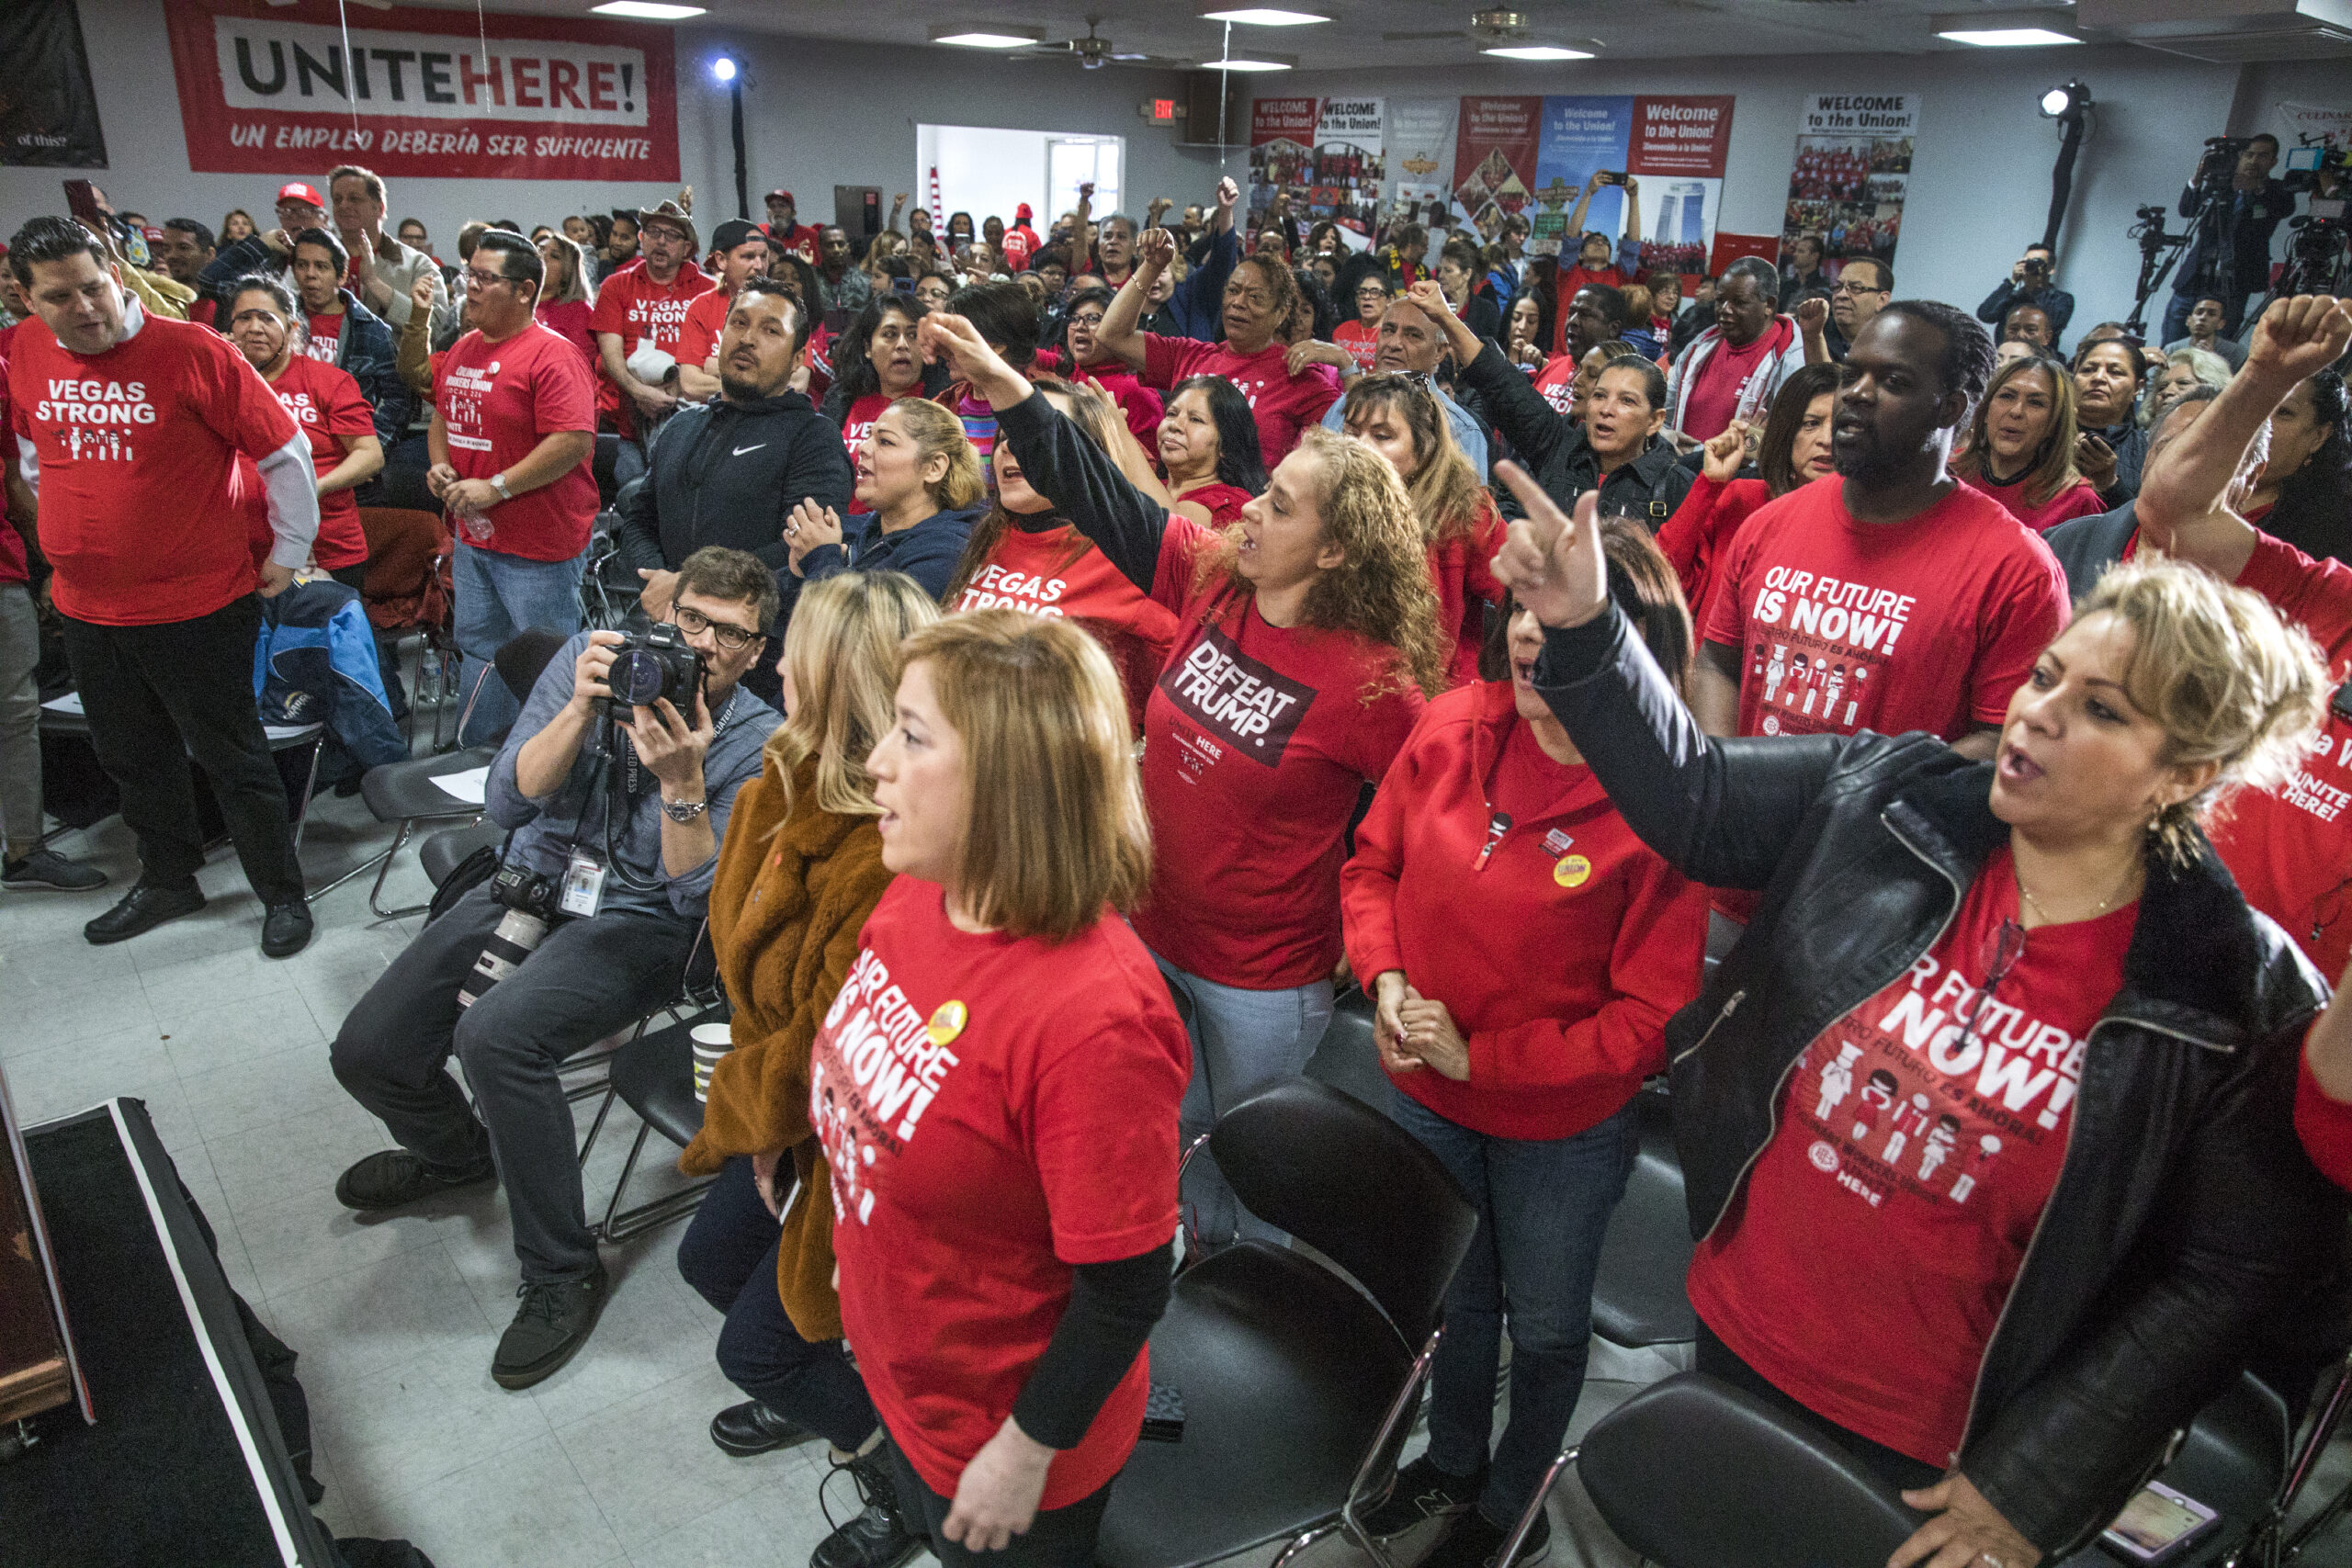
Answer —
(1092, 53)
(1486, 26)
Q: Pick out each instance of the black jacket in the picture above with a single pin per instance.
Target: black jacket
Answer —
(927, 552)
(726, 473)
(2087, 547)
(1556, 451)
(2056, 304)
(2186, 1216)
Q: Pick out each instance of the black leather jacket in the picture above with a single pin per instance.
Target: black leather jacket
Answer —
(2186, 1216)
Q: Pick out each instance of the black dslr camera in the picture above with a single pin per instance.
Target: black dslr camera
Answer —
(524, 891)
(654, 664)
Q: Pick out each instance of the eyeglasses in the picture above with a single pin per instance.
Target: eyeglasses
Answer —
(484, 279)
(1845, 287)
(731, 637)
(1089, 319)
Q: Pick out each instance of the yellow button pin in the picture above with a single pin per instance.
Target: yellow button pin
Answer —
(1570, 871)
(949, 1020)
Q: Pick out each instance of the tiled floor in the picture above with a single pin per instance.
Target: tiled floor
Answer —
(608, 1461)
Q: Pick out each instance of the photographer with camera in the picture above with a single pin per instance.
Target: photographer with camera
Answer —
(2235, 207)
(589, 924)
(2030, 283)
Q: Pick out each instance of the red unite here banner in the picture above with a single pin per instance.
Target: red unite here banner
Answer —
(268, 89)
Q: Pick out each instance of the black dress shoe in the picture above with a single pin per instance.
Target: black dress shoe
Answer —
(286, 930)
(554, 1320)
(753, 1428)
(395, 1179)
(143, 910)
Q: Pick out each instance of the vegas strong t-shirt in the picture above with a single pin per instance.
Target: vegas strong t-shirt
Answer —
(994, 1111)
(498, 399)
(1864, 1264)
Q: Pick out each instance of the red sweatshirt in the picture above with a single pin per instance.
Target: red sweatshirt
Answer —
(1583, 942)
(1701, 530)
(1461, 569)
(2325, 1127)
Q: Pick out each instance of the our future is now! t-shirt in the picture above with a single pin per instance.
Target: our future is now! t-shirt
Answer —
(1863, 1267)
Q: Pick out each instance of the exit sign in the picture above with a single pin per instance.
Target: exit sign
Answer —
(1162, 111)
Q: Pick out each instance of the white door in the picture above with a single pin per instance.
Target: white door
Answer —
(1071, 161)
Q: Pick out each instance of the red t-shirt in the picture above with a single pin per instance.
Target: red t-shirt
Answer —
(327, 405)
(1461, 569)
(499, 400)
(1017, 246)
(2325, 1127)
(1928, 623)
(1257, 742)
(202, 312)
(1360, 341)
(698, 332)
(2077, 499)
(1284, 404)
(326, 334)
(569, 320)
(801, 240)
(143, 510)
(1556, 382)
(860, 423)
(1224, 503)
(2290, 849)
(981, 1146)
(1056, 573)
(1865, 1264)
(1708, 412)
(640, 310)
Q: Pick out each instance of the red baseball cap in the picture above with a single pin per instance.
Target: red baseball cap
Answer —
(297, 191)
(783, 196)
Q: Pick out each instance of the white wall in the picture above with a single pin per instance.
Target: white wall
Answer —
(1980, 177)
(817, 114)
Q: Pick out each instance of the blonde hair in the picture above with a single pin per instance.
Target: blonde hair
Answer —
(2226, 677)
(1057, 834)
(2049, 466)
(579, 283)
(842, 653)
(937, 432)
(1444, 490)
(1381, 590)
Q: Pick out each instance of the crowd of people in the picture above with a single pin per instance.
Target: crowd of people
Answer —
(1109, 646)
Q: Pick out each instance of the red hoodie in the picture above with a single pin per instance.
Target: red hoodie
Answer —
(1460, 571)
(1700, 531)
(1560, 953)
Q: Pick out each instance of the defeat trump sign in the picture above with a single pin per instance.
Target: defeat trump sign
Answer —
(420, 92)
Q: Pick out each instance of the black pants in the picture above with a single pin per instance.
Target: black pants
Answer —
(585, 979)
(1898, 1470)
(157, 695)
(1063, 1537)
(727, 1255)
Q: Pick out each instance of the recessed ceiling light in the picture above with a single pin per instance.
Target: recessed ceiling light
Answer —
(1266, 65)
(1260, 17)
(1535, 52)
(648, 10)
(987, 37)
(2007, 37)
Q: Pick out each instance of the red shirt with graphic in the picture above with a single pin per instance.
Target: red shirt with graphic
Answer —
(982, 1143)
(2290, 849)
(642, 311)
(1055, 571)
(327, 405)
(802, 240)
(1284, 404)
(326, 337)
(1556, 382)
(142, 507)
(498, 399)
(1257, 741)
(2077, 499)
(1862, 1268)
(860, 423)
(1360, 341)
(1927, 623)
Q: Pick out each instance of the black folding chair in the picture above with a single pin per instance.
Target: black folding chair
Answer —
(1347, 1059)
(1299, 1381)
(1638, 1299)
(1692, 1473)
(653, 1075)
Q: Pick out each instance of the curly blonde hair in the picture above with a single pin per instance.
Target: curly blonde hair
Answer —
(2230, 681)
(1444, 491)
(1381, 590)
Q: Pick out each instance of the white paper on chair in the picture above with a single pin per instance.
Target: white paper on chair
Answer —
(69, 702)
(469, 786)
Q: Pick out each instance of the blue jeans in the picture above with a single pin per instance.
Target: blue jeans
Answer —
(500, 596)
(1543, 1206)
(727, 1255)
(1242, 1041)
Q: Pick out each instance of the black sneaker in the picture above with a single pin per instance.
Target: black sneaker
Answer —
(142, 908)
(881, 1536)
(395, 1179)
(1423, 1492)
(1473, 1543)
(554, 1321)
(46, 870)
(753, 1428)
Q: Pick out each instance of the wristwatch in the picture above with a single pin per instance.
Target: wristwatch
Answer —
(684, 810)
(498, 483)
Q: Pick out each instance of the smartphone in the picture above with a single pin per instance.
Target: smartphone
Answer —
(81, 201)
(903, 285)
(2158, 1525)
(1612, 176)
